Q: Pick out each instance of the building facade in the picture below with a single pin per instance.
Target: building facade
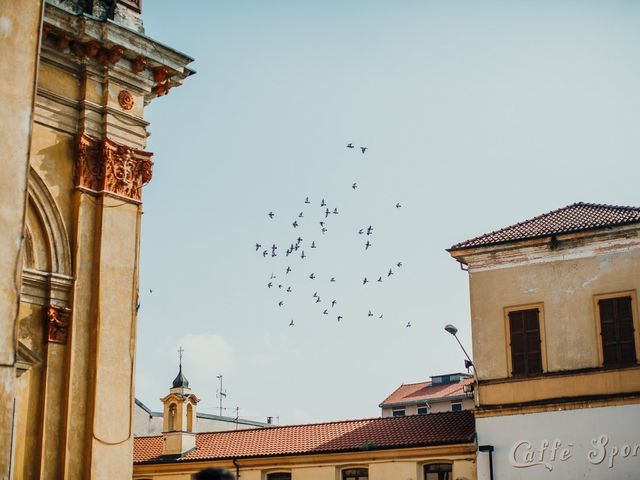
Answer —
(421, 447)
(76, 78)
(443, 393)
(148, 423)
(556, 344)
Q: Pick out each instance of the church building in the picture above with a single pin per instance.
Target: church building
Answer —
(76, 77)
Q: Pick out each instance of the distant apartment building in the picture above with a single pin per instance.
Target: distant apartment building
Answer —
(556, 343)
(443, 393)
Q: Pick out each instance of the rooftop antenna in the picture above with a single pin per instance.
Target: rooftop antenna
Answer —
(221, 393)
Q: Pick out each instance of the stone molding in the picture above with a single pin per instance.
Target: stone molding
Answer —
(58, 320)
(109, 167)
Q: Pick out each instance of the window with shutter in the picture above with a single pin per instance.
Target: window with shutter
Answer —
(617, 331)
(525, 343)
(355, 474)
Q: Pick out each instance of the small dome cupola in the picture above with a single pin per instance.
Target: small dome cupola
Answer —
(180, 381)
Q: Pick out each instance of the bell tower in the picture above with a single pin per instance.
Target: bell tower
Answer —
(179, 416)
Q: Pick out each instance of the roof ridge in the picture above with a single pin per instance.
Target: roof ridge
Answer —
(473, 242)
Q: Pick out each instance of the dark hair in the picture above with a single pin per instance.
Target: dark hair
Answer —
(213, 474)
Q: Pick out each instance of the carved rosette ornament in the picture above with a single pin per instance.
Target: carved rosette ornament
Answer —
(107, 166)
(58, 320)
(125, 99)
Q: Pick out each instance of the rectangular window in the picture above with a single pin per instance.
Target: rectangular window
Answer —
(355, 474)
(437, 471)
(617, 331)
(456, 406)
(279, 476)
(423, 409)
(525, 341)
(398, 412)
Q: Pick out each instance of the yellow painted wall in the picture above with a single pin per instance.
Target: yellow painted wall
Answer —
(566, 289)
(19, 36)
(399, 464)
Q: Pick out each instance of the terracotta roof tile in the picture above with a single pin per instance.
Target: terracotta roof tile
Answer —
(572, 218)
(349, 435)
(425, 391)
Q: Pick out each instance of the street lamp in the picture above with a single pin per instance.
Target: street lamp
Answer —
(453, 330)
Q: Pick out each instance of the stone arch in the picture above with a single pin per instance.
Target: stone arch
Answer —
(44, 206)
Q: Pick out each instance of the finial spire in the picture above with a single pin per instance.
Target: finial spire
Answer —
(180, 381)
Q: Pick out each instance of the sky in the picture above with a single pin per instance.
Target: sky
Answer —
(476, 115)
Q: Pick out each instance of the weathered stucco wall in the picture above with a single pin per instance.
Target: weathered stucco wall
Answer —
(19, 36)
(402, 464)
(566, 289)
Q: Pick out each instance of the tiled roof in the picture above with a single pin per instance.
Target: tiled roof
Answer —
(425, 391)
(572, 218)
(344, 436)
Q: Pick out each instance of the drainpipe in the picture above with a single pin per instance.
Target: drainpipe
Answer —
(235, 463)
(488, 448)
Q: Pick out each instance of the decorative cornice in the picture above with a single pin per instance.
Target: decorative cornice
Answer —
(58, 321)
(107, 166)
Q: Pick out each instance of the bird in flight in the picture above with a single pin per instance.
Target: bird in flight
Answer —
(312, 276)
(313, 244)
(380, 279)
(335, 210)
(303, 255)
(318, 300)
(399, 264)
(361, 231)
(265, 253)
(324, 230)
(280, 303)
(326, 213)
(300, 215)
(333, 303)
(322, 203)
(381, 316)
(272, 276)
(270, 214)
(325, 312)
(350, 145)
(367, 245)
(333, 279)
(315, 294)
(363, 149)
(390, 273)
(258, 246)
(295, 224)
(299, 240)
(370, 314)
(280, 286)
(339, 317)
(289, 289)
(291, 323)
(288, 270)
(398, 205)
(369, 230)
(270, 284)
(322, 224)
(408, 324)
(354, 186)
(364, 282)
(306, 200)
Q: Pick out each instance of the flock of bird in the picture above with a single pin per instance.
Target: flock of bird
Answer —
(297, 249)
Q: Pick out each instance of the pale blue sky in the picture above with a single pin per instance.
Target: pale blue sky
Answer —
(477, 115)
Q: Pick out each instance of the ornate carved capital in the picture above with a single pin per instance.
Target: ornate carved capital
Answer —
(107, 166)
(58, 320)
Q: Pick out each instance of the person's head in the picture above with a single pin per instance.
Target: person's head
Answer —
(213, 474)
